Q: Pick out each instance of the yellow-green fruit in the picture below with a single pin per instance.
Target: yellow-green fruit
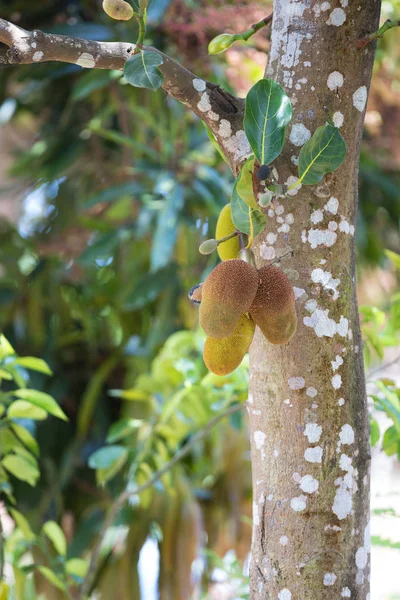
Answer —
(227, 293)
(273, 309)
(221, 43)
(225, 227)
(118, 9)
(224, 355)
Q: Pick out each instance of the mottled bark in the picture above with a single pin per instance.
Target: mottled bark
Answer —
(307, 400)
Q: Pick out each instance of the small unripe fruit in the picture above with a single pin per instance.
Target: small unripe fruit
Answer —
(224, 355)
(118, 9)
(221, 43)
(208, 247)
(227, 293)
(273, 308)
(195, 293)
(263, 172)
(265, 199)
(225, 227)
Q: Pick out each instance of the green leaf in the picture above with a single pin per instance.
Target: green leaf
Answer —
(34, 364)
(21, 468)
(141, 70)
(26, 438)
(390, 441)
(244, 217)
(42, 400)
(56, 536)
(267, 113)
(394, 257)
(244, 183)
(390, 404)
(165, 235)
(322, 154)
(23, 524)
(105, 457)
(5, 347)
(20, 409)
(121, 429)
(376, 540)
(52, 577)
(374, 432)
(77, 567)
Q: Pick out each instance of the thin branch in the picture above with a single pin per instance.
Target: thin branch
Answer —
(383, 367)
(388, 24)
(256, 27)
(124, 497)
(207, 100)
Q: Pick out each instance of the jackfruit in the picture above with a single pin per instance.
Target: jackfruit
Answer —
(273, 308)
(118, 9)
(224, 355)
(227, 293)
(225, 227)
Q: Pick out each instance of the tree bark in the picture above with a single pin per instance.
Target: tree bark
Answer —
(307, 400)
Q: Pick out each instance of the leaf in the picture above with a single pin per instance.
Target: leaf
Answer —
(376, 540)
(26, 438)
(121, 429)
(390, 441)
(52, 577)
(5, 347)
(92, 81)
(244, 183)
(42, 400)
(56, 536)
(244, 217)
(34, 364)
(105, 457)
(20, 409)
(141, 70)
(390, 404)
(394, 257)
(322, 154)
(374, 432)
(149, 287)
(267, 113)
(23, 524)
(133, 395)
(112, 193)
(21, 468)
(77, 567)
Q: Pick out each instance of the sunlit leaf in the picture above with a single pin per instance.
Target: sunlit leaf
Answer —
(105, 457)
(374, 432)
(322, 154)
(77, 567)
(21, 409)
(23, 524)
(56, 535)
(34, 364)
(42, 400)
(394, 257)
(21, 468)
(122, 429)
(52, 577)
(26, 438)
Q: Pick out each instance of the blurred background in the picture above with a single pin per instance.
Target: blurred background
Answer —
(106, 192)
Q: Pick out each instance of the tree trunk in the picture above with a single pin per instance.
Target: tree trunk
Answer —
(307, 400)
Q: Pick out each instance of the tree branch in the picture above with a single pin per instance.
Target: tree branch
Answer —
(124, 497)
(219, 110)
(388, 24)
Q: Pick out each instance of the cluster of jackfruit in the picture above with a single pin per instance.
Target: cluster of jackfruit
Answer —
(235, 298)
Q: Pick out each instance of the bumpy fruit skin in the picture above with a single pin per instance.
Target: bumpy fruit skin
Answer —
(227, 293)
(118, 9)
(225, 227)
(224, 355)
(273, 308)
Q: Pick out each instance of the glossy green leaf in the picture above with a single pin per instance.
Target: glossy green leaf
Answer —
(23, 524)
(267, 113)
(57, 537)
(141, 70)
(244, 217)
(21, 468)
(34, 364)
(5, 347)
(322, 154)
(391, 441)
(42, 400)
(244, 183)
(21, 409)
(52, 577)
(122, 429)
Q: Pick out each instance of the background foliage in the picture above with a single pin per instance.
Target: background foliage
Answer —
(106, 192)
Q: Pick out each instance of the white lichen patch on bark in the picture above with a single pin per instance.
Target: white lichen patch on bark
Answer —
(199, 85)
(311, 392)
(338, 119)
(317, 216)
(296, 383)
(86, 61)
(299, 503)
(337, 362)
(337, 17)
(299, 134)
(326, 280)
(225, 128)
(38, 56)
(329, 579)
(238, 146)
(320, 237)
(259, 439)
(346, 435)
(346, 592)
(322, 324)
(256, 516)
(335, 80)
(332, 205)
(336, 382)
(285, 595)
(314, 455)
(204, 104)
(308, 484)
(313, 432)
(283, 540)
(360, 98)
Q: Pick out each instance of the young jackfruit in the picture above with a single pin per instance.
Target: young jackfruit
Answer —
(224, 355)
(225, 227)
(227, 293)
(118, 9)
(273, 308)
